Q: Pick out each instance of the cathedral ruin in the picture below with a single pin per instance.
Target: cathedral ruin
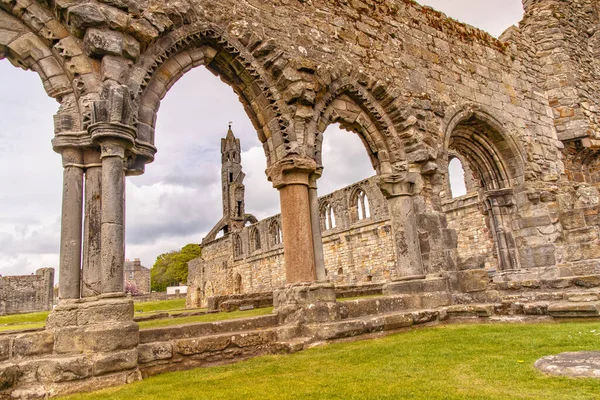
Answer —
(520, 112)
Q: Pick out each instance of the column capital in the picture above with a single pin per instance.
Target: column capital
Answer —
(112, 134)
(396, 185)
(293, 170)
(71, 157)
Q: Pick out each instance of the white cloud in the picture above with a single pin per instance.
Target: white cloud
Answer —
(178, 199)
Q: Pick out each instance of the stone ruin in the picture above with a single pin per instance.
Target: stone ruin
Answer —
(27, 293)
(520, 112)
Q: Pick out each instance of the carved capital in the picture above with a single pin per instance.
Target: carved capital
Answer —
(291, 171)
(393, 185)
(108, 134)
(71, 157)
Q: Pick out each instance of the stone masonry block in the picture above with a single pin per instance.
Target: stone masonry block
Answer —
(155, 351)
(5, 344)
(64, 369)
(8, 376)
(101, 42)
(540, 256)
(105, 363)
(32, 344)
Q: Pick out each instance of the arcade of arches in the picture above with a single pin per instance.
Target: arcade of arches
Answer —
(520, 112)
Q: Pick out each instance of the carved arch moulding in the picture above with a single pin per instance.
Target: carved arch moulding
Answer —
(249, 65)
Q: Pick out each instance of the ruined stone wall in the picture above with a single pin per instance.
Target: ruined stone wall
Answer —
(475, 243)
(27, 293)
(356, 250)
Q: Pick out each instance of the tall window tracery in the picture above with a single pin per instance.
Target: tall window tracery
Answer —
(327, 217)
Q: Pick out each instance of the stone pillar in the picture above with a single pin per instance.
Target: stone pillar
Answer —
(113, 139)
(91, 281)
(291, 177)
(316, 227)
(399, 194)
(71, 224)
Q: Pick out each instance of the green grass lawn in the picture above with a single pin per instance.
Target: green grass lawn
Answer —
(454, 362)
(23, 321)
(163, 305)
(157, 323)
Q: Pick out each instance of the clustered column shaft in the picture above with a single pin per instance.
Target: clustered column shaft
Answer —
(316, 229)
(71, 224)
(91, 274)
(112, 257)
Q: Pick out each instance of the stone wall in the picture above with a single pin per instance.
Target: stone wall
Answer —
(356, 250)
(27, 293)
(138, 275)
(475, 243)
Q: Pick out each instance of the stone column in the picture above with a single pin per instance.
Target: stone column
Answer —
(399, 194)
(316, 227)
(91, 281)
(71, 224)
(291, 177)
(113, 139)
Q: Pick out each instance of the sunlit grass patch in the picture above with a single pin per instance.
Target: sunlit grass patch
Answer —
(453, 362)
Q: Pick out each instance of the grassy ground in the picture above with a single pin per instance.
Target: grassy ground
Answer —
(23, 321)
(455, 362)
(156, 323)
(163, 305)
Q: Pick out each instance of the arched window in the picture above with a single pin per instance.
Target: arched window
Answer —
(237, 246)
(275, 233)
(327, 217)
(255, 237)
(456, 177)
(238, 284)
(361, 202)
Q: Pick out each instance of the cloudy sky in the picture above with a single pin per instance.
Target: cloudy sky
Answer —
(178, 200)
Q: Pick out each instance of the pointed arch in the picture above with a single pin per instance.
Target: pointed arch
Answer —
(238, 247)
(327, 216)
(490, 152)
(170, 57)
(255, 238)
(360, 208)
(275, 236)
(356, 110)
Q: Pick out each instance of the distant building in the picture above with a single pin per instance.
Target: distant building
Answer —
(173, 290)
(137, 274)
(27, 293)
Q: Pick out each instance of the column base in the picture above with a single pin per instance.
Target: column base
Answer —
(306, 303)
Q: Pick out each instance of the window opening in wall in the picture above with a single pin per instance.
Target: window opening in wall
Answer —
(327, 217)
(256, 238)
(340, 271)
(275, 234)
(237, 245)
(239, 208)
(230, 177)
(456, 175)
(369, 278)
(361, 202)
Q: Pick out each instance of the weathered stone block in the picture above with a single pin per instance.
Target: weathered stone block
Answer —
(155, 351)
(189, 347)
(8, 376)
(112, 362)
(5, 343)
(100, 42)
(397, 321)
(540, 256)
(587, 281)
(473, 280)
(31, 344)
(64, 369)
(257, 338)
(574, 310)
(572, 219)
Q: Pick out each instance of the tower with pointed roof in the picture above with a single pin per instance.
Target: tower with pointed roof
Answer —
(232, 181)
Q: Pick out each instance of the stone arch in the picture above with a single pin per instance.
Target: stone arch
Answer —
(34, 40)
(490, 152)
(255, 238)
(327, 216)
(170, 57)
(492, 156)
(355, 109)
(238, 246)
(359, 205)
(275, 233)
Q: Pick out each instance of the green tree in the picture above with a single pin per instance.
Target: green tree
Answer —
(171, 268)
